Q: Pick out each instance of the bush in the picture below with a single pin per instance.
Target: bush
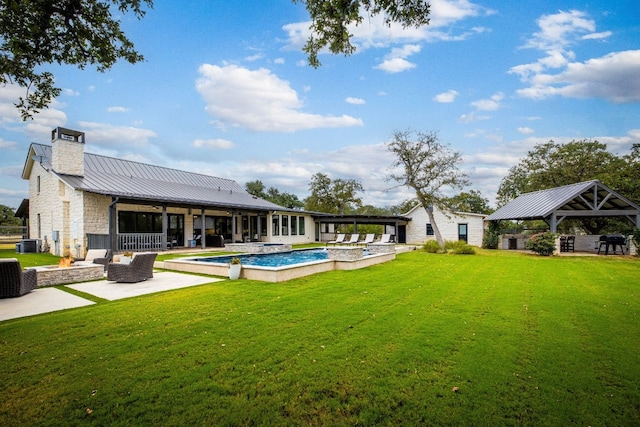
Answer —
(432, 247)
(542, 243)
(491, 238)
(464, 250)
(636, 240)
(460, 247)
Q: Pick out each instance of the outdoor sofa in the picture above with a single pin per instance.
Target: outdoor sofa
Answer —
(13, 281)
(140, 269)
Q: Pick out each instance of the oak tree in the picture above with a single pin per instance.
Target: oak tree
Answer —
(428, 166)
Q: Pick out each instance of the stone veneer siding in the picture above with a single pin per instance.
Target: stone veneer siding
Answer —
(47, 276)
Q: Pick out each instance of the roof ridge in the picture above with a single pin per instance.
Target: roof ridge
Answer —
(147, 164)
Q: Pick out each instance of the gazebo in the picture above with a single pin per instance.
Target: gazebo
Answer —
(589, 199)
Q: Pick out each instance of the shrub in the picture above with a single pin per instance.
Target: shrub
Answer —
(542, 243)
(636, 240)
(491, 238)
(431, 246)
(464, 250)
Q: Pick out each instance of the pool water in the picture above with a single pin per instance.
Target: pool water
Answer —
(272, 260)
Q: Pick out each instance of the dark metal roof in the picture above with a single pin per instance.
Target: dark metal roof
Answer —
(584, 199)
(143, 182)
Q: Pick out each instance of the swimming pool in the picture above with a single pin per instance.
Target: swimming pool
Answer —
(273, 259)
(219, 266)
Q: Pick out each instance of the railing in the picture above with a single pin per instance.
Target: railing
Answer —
(140, 242)
(98, 241)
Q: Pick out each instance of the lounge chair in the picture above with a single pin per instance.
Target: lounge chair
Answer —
(368, 239)
(13, 281)
(96, 256)
(140, 269)
(353, 240)
(339, 239)
(386, 238)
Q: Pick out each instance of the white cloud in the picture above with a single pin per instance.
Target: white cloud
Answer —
(108, 134)
(7, 144)
(355, 101)
(218, 143)
(472, 117)
(490, 104)
(70, 92)
(525, 130)
(259, 101)
(446, 97)
(279, 61)
(396, 60)
(615, 77)
(117, 109)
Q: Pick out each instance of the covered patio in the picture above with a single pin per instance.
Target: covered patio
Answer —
(589, 199)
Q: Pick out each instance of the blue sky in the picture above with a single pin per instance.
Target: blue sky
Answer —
(225, 91)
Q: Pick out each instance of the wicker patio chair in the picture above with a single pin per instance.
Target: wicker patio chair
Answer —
(13, 281)
(140, 269)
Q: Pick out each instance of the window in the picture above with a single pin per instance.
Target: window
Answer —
(38, 183)
(301, 226)
(463, 232)
(285, 225)
(263, 225)
(294, 225)
(275, 225)
(429, 230)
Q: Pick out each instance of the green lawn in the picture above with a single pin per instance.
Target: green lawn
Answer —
(526, 340)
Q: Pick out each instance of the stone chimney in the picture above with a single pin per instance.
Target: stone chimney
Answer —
(67, 151)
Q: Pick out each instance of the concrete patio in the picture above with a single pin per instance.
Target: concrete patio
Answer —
(49, 299)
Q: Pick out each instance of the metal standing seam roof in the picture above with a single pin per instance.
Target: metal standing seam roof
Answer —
(578, 198)
(139, 181)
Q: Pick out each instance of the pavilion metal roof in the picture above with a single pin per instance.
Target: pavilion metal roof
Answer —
(583, 199)
(142, 182)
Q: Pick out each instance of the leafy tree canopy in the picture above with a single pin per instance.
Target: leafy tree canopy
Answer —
(338, 196)
(471, 202)
(7, 216)
(76, 32)
(34, 33)
(330, 20)
(272, 194)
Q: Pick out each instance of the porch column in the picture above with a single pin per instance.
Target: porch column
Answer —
(113, 225)
(259, 227)
(203, 243)
(165, 223)
(553, 224)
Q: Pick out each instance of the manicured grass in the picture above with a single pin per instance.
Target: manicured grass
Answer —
(527, 340)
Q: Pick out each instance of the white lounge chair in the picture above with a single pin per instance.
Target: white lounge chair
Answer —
(339, 239)
(368, 239)
(386, 238)
(353, 240)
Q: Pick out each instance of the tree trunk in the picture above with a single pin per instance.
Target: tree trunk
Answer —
(436, 230)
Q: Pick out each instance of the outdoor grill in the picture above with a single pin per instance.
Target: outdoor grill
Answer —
(612, 240)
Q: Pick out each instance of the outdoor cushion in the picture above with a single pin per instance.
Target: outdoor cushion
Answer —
(94, 253)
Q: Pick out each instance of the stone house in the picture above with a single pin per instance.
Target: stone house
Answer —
(78, 201)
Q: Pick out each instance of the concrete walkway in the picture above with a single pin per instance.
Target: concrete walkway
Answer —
(45, 300)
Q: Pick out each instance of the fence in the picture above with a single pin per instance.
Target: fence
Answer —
(13, 233)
